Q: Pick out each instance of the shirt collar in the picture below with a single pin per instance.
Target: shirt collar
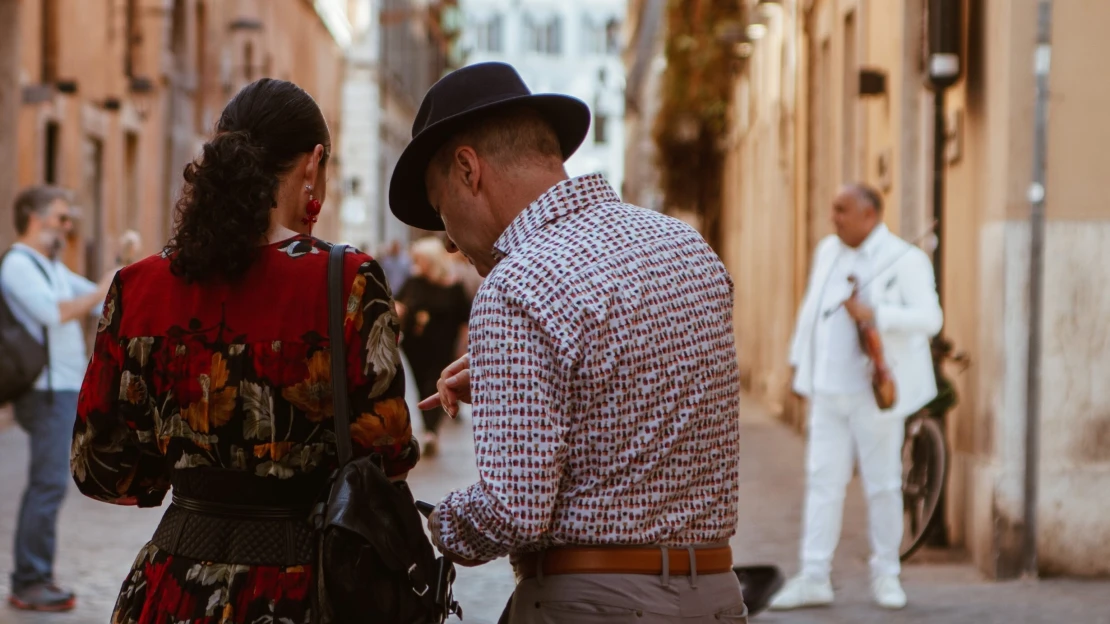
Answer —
(565, 198)
(34, 252)
(871, 244)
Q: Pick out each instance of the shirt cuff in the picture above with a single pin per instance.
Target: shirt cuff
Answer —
(461, 531)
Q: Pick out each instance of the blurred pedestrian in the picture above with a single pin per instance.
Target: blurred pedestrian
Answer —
(211, 374)
(130, 244)
(51, 302)
(898, 297)
(434, 310)
(602, 368)
(466, 274)
(397, 265)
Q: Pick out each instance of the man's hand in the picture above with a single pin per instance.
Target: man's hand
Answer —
(433, 528)
(859, 311)
(453, 386)
(105, 283)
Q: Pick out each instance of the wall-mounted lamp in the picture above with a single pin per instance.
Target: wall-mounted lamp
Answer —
(755, 31)
(766, 8)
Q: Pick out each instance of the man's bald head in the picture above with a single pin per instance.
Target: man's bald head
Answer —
(866, 195)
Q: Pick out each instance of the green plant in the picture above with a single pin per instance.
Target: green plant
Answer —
(696, 96)
(947, 397)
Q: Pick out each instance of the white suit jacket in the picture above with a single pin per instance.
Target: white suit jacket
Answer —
(907, 315)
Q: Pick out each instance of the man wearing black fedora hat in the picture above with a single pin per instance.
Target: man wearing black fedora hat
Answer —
(602, 369)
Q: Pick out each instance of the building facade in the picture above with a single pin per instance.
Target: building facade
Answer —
(835, 91)
(644, 62)
(571, 47)
(116, 97)
(400, 49)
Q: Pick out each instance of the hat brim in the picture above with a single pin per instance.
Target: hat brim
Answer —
(408, 197)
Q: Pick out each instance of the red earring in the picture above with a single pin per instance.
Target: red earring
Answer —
(312, 209)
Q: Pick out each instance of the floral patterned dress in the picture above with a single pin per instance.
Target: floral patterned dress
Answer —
(233, 376)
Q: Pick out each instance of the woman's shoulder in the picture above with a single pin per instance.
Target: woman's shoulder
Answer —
(318, 249)
(152, 269)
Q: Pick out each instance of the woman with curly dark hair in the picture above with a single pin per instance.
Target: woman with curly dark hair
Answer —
(211, 374)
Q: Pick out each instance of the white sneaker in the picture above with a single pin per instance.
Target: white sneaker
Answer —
(888, 593)
(800, 592)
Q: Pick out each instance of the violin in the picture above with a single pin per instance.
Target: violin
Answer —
(882, 380)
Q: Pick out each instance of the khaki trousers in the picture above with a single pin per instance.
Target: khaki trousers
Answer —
(620, 598)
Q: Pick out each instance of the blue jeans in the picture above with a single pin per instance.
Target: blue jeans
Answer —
(50, 426)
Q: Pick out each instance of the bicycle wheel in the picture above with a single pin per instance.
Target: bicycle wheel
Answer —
(924, 470)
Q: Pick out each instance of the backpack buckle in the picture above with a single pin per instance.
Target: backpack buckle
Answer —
(420, 592)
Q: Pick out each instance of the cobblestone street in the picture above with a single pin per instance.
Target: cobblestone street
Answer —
(98, 542)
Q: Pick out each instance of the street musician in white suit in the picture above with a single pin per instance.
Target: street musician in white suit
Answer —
(897, 296)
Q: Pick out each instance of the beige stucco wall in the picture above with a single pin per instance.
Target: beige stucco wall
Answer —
(1074, 533)
(788, 157)
(758, 221)
(90, 52)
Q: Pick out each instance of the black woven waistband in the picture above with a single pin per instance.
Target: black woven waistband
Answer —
(237, 488)
(253, 540)
(242, 512)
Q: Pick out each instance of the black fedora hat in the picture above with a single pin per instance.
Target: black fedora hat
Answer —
(447, 106)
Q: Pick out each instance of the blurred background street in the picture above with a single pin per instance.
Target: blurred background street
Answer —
(98, 543)
(981, 123)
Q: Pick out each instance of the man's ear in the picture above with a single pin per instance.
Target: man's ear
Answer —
(470, 168)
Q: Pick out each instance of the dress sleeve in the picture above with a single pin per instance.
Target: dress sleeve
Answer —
(375, 377)
(115, 455)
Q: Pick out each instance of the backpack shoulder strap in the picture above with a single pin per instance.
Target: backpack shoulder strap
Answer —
(45, 330)
(336, 313)
(34, 261)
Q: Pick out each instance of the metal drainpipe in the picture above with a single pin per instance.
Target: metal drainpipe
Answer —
(939, 142)
(1036, 289)
(939, 536)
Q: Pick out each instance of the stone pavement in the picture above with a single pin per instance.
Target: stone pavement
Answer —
(99, 541)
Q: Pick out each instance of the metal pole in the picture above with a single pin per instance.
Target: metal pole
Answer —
(939, 141)
(939, 536)
(1036, 288)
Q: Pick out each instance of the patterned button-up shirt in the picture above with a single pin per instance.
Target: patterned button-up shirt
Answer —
(605, 384)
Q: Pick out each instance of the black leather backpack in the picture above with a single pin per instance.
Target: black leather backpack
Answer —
(22, 358)
(376, 564)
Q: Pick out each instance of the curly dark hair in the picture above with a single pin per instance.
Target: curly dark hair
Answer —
(229, 191)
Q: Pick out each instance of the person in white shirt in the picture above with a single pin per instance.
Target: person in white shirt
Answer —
(51, 302)
(898, 297)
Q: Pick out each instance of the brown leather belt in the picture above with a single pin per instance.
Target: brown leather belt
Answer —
(624, 560)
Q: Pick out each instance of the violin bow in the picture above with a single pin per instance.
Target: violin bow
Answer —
(916, 242)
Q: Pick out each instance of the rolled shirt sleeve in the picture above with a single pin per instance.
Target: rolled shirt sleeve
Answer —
(519, 434)
(83, 286)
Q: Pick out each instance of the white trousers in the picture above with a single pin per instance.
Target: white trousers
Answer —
(842, 427)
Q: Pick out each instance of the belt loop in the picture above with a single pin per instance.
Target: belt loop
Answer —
(540, 556)
(666, 576)
(693, 567)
